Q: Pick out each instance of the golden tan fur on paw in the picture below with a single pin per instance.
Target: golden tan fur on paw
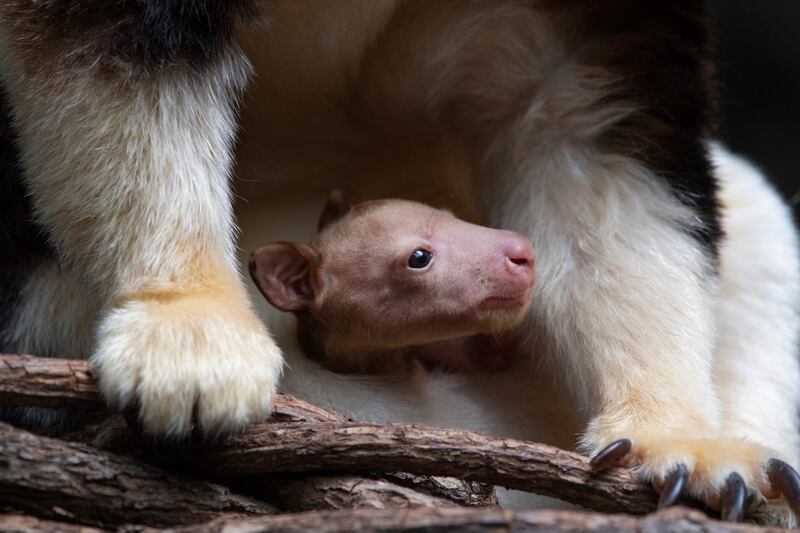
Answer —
(731, 475)
(187, 360)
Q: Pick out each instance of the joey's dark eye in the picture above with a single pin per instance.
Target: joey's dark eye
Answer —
(419, 259)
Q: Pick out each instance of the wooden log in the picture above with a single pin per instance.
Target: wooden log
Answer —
(17, 523)
(51, 478)
(29, 381)
(674, 520)
(465, 493)
(302, 493)
(333, 492)
(44, 382)
(353, 446)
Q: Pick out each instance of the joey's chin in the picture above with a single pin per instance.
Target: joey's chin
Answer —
(506, 302)
(503, 312)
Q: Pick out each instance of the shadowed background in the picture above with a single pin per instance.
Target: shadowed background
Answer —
(758, 61)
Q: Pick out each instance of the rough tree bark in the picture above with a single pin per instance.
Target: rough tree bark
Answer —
(296, 493)
(42, 382)
(56, 479)
(675, 520)
(353, 446)
(36, 381)
(16, 523)
(315, 493)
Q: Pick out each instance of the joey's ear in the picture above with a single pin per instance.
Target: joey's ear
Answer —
(335, 209)
(287, 274)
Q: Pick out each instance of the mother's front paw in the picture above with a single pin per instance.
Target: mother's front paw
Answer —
(187, 362)
(731, 475)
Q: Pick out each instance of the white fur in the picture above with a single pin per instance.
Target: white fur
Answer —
(756, 364)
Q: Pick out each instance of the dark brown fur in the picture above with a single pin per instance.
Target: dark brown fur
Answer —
(123, 36)
(659, 55)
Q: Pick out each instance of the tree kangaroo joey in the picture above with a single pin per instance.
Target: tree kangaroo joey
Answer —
(388, 284)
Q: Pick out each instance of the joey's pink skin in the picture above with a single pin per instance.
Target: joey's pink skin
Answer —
(390, 274)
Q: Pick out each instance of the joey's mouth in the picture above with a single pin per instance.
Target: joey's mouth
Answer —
(505, 302)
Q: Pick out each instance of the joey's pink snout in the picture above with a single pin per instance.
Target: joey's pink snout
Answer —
(512, 274)
(519, 258)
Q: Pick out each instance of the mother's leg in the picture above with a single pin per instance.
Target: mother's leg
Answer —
(125, 117)
(606, 169)
(588, 125)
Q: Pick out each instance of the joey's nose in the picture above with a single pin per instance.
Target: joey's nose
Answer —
(519, 255)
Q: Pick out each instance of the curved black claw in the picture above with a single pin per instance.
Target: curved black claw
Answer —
(732, 499)
(786, 480)
(673, 487)
(611, 453)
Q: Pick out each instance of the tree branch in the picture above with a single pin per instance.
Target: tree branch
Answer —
(464, 493)
(465, 519)
(331, 492)
(18, 523)
(44, 382)
(56, 479)
(352, 446)
(29, 381)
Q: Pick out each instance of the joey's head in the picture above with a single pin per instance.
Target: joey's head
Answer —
(392, 273)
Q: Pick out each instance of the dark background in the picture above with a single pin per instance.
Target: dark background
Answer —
(757, 45)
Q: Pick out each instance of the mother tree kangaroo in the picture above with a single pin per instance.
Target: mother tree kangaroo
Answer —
(667, 290)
